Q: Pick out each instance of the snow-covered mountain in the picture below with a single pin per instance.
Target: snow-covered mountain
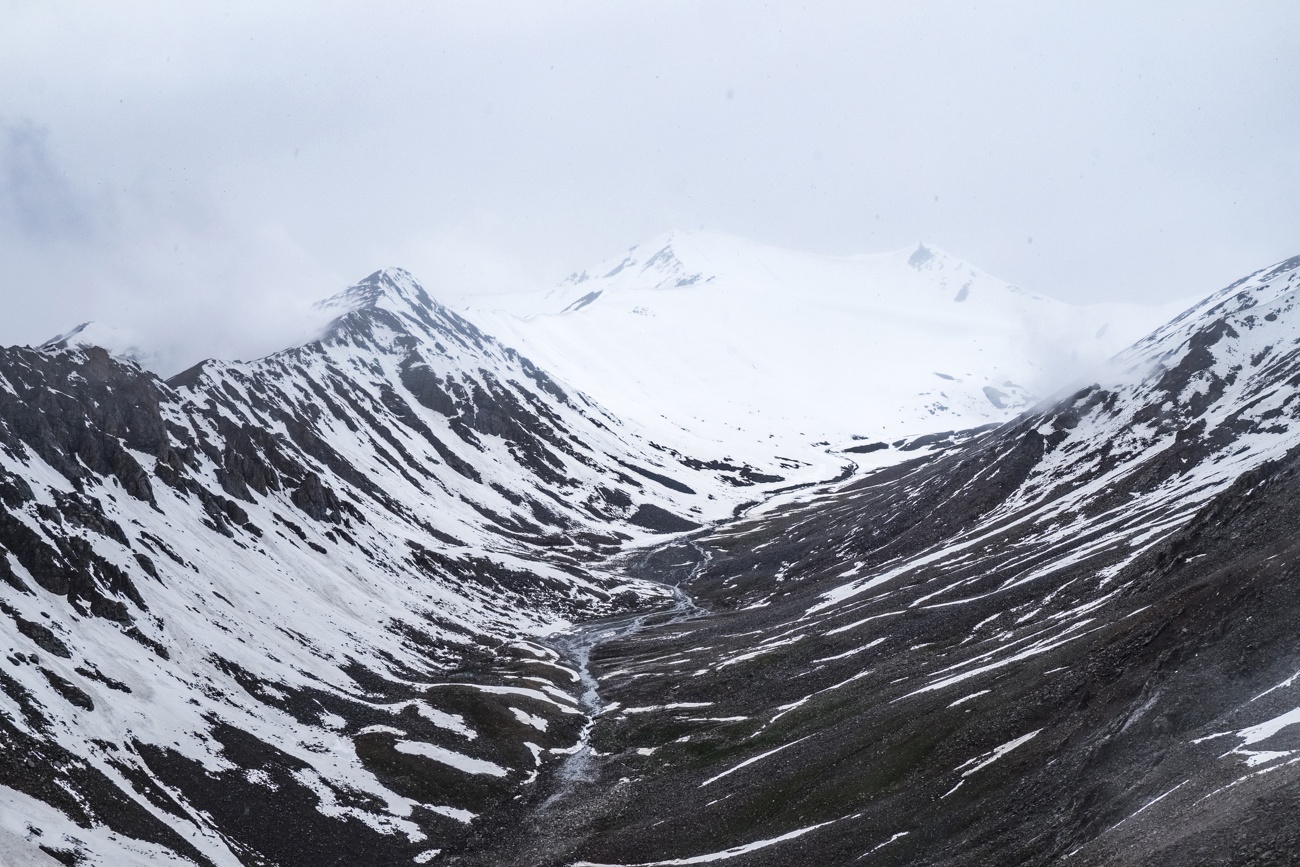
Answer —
(401, 595)
(305, 592)
(724, 335)
(1069, 640)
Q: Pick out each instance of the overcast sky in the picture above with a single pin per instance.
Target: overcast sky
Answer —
(195, 174)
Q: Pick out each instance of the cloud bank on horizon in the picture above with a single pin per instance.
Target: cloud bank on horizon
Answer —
(202, 175)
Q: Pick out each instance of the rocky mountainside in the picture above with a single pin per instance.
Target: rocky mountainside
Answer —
(742, 342)
(286, 612)
(1067, 640)
(400, 596)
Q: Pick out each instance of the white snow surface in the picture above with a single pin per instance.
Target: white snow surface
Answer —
(735, 340)
(459, 761)
(724, 855)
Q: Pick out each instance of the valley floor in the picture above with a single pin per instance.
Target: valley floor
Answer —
(1141, 725)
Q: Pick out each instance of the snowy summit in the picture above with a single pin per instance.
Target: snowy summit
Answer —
(721, 333)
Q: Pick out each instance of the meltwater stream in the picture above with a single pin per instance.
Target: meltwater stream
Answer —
(545, 831)
(575, 647)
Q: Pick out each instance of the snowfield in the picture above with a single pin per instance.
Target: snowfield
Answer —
(744, 343)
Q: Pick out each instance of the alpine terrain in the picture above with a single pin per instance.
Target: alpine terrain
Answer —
(742, 556)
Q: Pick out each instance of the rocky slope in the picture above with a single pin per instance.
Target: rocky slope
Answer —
(286, 612)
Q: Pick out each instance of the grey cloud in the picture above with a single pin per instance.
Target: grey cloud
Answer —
(35, 197)
(223, 165)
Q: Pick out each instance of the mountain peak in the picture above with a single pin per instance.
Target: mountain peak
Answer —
(921, 257)
(392, 289)
(659, 263)
(116, 341)
(58, 341)
(387, 310)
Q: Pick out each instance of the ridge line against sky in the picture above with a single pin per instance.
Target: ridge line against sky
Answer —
(201, 175)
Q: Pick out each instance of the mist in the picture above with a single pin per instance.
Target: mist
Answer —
(199, 177)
